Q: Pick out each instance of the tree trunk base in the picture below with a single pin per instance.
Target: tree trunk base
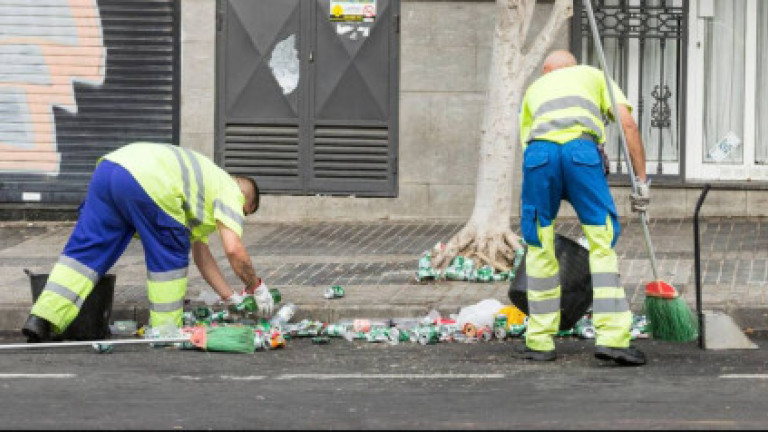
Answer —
(487, 246)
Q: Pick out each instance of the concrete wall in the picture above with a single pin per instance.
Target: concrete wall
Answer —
(445, 54)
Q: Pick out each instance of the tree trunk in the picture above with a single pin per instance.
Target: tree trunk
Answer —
(488, 236)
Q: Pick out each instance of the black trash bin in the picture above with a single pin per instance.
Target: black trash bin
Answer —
(92, 322)
(575, 282)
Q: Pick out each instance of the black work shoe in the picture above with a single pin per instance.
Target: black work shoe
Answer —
(36, 329)
(525, 353)
(624, 356)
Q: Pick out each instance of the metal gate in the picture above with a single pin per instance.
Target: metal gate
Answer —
(307, 102)
(80, 79)
(645, 44)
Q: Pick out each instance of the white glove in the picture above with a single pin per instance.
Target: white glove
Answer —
(233, 300)
(642, 197)
(264, 300)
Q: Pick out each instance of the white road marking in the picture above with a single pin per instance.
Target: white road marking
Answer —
(745, 376)
(187, 377)
(243, 378)
(22, 375)
(387, 376)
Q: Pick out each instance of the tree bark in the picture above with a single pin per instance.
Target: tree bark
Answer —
(488, 236)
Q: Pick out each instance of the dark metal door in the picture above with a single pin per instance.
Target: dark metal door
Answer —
(646, 51)
(307, 104)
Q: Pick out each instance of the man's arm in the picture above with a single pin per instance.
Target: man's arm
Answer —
(634, 142)
(210, 271)
(238, 258)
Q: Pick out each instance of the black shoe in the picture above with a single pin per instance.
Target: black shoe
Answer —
(624, 356)
(525, 353)
(37, 329)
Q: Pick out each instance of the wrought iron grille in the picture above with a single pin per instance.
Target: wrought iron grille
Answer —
(646, 50)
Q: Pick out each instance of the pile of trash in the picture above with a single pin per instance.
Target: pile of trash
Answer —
(463, 268)
(485, 321)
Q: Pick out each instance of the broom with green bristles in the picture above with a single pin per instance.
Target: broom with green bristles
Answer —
(668, 314)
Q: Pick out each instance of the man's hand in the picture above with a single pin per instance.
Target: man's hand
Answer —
(233, 300)
(642, 197)
(264, 300)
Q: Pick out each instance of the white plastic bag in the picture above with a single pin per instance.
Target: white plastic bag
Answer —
(480, 314)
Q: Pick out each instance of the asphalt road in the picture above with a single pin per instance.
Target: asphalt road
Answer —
(359, 385)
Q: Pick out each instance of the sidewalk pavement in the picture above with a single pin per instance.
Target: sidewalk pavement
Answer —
(376, 263)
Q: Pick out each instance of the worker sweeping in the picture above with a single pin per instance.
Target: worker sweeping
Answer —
(172, 198)
(562, 132)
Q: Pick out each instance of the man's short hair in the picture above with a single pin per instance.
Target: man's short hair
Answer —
(256, 194)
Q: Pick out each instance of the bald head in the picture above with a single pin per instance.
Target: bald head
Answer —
(557, 60)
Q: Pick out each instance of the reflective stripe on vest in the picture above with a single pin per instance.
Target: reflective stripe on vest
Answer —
(565, 123)
(186, 179)
(228, 211)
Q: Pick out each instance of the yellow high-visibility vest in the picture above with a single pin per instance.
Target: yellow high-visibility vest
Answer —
(186, 185)
(566, 103)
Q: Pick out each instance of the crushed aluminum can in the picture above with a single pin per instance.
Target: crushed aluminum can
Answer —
(103, 348)
(584, 328)
(483, 274)
(333, 292)
(335, 330)
(485, 334)
(202, 312)
(516, 329)
(377, 334)
(428, 336)
(393, 336)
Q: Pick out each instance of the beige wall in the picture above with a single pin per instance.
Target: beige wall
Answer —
(445, 52)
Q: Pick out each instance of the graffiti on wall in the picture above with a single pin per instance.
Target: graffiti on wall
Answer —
(46, 47)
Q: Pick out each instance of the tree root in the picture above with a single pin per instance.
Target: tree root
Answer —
(493, 246)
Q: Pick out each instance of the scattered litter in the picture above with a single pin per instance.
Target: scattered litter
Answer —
(333, 292)
(464, 269)
(123, 328)
(239, 330)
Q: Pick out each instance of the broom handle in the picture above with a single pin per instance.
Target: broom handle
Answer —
(630, 168)
(93, 342)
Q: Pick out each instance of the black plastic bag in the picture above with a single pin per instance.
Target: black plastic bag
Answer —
(575, 280)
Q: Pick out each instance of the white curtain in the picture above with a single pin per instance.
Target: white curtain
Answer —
(724, 79)
(653, 137)
(761, 110)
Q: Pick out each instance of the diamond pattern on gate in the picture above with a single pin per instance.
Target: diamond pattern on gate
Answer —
(261, 38)
(350, 79)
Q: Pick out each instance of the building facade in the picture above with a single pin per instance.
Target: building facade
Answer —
(358, 115)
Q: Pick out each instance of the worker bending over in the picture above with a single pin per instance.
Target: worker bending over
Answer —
(172, 198)
(562, 133)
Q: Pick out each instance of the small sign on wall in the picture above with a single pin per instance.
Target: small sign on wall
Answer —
(353, 10)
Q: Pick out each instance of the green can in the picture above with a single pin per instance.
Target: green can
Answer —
(517, 329)
(335, 291)
(276, 296)
(202, 312)
(428, 335)
(500, 321)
